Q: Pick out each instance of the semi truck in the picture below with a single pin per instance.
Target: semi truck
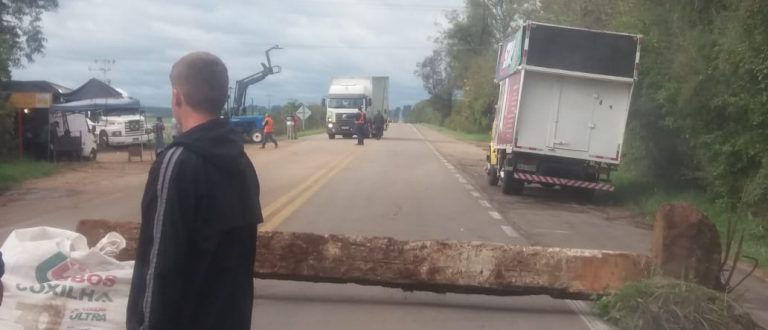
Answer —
(564, 96)
(346, 95)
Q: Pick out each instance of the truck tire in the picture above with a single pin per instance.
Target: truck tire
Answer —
(255, 137)
(510, 185)
(493, 177)
(331, 136)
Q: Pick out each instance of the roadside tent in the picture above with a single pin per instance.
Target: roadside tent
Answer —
(97, 105)
(31, 100)
(94, 89)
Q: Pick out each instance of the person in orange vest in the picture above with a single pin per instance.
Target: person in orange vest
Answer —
(360, 126)
(268, 129)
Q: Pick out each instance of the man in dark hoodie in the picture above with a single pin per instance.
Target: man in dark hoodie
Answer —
(194, 264)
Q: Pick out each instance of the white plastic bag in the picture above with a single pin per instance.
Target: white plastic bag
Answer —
(53, 281)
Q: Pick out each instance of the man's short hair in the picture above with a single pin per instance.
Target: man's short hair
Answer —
(202, 79)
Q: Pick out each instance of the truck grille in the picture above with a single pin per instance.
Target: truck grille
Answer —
(346, 119)
(134, 127)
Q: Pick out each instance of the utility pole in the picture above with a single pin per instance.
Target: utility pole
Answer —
(103, 65)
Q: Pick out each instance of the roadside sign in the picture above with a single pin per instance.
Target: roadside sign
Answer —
(303, 112)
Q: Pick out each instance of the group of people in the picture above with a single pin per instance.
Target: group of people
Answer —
(362, 126)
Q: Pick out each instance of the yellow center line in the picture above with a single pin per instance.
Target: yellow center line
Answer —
(284, 199)
(306, 194)
(290, 201)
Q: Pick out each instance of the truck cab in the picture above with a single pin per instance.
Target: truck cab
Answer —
(116, 127)
(347, 94)
(342, 111)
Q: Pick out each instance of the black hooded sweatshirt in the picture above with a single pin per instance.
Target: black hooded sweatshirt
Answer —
(194, 264)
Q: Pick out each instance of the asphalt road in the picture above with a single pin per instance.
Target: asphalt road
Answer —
(402, 187)
(413, 184)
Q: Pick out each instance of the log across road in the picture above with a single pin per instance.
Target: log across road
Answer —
(433, 266)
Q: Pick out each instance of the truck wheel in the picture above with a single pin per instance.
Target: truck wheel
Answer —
(493, 177)
(331, 136)
(510, 185)
(103, 139)
(256, 137)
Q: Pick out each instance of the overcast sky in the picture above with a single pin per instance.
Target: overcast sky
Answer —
(322, 39)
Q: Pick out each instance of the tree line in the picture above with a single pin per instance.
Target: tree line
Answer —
(699, 114)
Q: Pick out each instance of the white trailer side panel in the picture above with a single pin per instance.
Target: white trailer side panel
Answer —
(572, 117)
(380, 95)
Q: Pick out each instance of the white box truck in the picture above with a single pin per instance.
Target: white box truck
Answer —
(563, 104)
(346, 94)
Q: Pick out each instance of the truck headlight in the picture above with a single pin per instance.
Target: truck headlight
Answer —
(117, 133)
(330, 125)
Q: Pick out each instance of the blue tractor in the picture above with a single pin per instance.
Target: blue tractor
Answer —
(250, 126)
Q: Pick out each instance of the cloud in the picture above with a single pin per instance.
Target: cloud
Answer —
(322, 39)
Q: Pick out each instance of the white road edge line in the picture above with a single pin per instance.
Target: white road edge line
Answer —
(584, 312)
(579, 307)
(484, 203)
(475, 194)
(510, 232)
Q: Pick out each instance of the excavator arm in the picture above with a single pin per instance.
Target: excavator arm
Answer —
(241, 86)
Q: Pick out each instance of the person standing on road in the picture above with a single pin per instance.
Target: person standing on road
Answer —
(199, 215)
(268, 129)
(290, 127)
(159, 130)
(360, 126)
(378, 124)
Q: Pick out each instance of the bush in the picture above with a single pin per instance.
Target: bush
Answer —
(670, 304)
(7, 138)
(424, 112)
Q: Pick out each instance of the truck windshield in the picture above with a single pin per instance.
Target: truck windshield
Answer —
(343, 103)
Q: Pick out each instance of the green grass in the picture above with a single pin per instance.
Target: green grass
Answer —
(660, 303)
(463, 136)
(643, 198)
(13, 172)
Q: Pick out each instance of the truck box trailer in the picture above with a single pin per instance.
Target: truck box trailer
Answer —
(563, 104)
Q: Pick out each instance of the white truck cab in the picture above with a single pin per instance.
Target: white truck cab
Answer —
(116, 127)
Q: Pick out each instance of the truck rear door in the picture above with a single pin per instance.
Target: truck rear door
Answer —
(573, 118)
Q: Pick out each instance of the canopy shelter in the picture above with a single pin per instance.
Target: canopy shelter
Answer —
(97, 105)
(94, 89)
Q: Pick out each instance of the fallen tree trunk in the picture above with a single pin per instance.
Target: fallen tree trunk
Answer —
(434, 266)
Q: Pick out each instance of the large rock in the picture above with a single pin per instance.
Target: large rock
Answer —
(686, 245)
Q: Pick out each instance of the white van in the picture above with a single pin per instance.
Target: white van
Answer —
(75, 126)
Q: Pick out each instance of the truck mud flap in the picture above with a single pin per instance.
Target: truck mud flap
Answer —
(564, 182)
